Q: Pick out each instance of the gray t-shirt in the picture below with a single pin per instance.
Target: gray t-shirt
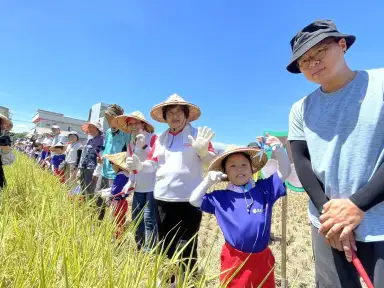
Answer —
(344, 131)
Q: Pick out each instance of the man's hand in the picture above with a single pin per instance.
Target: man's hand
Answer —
(201, 143)
(100, 160)
(345, 245)
(340, 215)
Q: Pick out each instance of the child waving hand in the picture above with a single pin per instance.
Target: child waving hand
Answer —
(244, 210)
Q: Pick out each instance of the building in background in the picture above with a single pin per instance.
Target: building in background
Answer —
(4, 111)
(44, 120)
(96, 113)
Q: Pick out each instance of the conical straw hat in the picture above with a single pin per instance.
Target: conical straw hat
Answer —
(122, 122)
(258, 158)
(157, 111)
(118, 159)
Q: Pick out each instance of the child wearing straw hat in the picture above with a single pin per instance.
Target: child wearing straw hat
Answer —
(244, 211)
(58, 157)
(177, 157)
(115, 193)
(142, 140)
(45, 154)
(88, 160)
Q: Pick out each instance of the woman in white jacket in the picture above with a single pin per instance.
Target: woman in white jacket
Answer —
(142, 184)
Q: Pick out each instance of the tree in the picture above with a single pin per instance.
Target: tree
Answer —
(19, 135)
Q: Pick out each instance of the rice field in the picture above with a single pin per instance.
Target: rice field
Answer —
(48, 239)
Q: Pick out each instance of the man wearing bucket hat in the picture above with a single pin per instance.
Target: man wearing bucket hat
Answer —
(115, 141)
(142, 140)
(329, 131)
(178, 156)
(89, 157)
(6, 155)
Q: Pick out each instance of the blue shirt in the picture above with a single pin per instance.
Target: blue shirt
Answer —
(118, 184)
(88, 158)
(113, 143)
(345, 137)
(247, 232)
(57, 159)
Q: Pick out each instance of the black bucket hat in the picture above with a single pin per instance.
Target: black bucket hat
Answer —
(311, 35)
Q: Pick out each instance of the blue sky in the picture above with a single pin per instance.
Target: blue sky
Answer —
(228, 57)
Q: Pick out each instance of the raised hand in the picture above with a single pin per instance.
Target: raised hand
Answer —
(215, 177)
(201, 143)
(140, 140)
(133, 163)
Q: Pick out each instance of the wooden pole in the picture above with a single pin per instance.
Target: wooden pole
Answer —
(284, 280)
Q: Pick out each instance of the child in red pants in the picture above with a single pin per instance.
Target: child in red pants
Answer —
(115, 194)
(244, 211)
(57, 159)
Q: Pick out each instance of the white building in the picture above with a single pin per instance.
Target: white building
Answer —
(4, 111)
(44, 121)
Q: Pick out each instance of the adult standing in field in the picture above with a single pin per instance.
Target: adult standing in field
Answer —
(337, 140)
(177, 157)
(6, 155)
(89, 156)
(72, 157)
(115, 141)
(57, 136)
(142, 184)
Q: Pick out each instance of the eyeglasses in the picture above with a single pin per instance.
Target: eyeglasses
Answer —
(171, 114)
(320, 54)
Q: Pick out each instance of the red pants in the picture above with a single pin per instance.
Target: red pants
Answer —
(253, 272)
(60, 174)
(120, 209)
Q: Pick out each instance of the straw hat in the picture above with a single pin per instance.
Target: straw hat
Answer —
(7, 121)
(157, 111)
(254, 153)
(57, 145)
(118, 159)
(122, 122)
(47, 142)
(85, 127)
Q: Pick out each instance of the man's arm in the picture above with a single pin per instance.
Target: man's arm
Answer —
(372, 193)
(307, 177)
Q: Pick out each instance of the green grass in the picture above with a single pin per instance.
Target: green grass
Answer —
(50, 240)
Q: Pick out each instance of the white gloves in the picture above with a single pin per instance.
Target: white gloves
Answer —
(129, 187)
(214, 177)
(133, 163)
(211, 179)
(201, 143)
(140, 141)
